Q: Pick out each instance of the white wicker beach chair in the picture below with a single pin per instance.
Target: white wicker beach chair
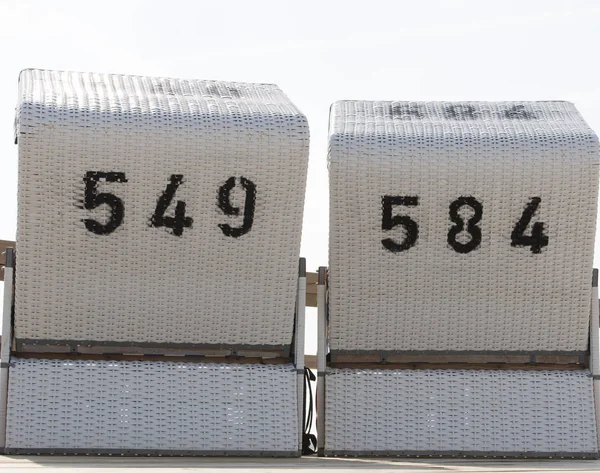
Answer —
(460, 281)
(159, 222)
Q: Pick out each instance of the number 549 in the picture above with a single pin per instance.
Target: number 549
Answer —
(179, 221)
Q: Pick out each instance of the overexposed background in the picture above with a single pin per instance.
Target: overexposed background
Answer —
(317, 52)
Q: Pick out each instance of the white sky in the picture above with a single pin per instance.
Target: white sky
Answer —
(317, 52)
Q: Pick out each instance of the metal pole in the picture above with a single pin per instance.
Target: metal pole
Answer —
(321, 357)
(299, 342)
(6, 342)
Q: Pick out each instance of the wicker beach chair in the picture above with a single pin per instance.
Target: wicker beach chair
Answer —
(159, 225)
(456, 315)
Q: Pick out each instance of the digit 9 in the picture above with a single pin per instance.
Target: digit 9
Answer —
(224, 203)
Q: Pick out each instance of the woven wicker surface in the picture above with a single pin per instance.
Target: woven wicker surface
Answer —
(460, 411)
(152, 406)
(434, 295)
(236, 145)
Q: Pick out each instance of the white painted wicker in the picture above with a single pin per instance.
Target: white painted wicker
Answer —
(515, 291)
(454, 412)
(152, 407)
(237, 146)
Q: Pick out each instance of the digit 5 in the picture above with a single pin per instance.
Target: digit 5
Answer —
(388, 222)
(93, 199)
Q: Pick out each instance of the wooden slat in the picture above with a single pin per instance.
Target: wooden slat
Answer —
(311, 361)
(311, 300)
(460, 359)
(203, 359)
(101, 349)
(311, 289)
(115, 350)
(311, 283)
(558, 359)
(128, 464)
(343, 358)
(145, 351)
(3, 245)
(362, 360)
(47, 349)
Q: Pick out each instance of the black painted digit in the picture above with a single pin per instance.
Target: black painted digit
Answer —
(224, 203)
(389, 221)
(460, 112)
(93, 199)
(537, 240)
(459, 226)
(406, 111)
(519, 111)
(178, 222)
(231, 91)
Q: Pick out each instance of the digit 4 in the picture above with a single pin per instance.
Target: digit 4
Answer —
(537, 240)
(177, 223)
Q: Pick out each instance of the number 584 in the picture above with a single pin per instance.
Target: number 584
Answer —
(536, 241)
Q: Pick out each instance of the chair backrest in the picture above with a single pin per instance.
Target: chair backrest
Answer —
(462, 227)
(160, 211)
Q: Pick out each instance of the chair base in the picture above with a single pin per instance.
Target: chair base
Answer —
(460, 413)
(58, 406)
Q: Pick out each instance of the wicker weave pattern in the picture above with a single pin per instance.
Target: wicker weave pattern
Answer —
(131, 405)
(430, 297)
(459, 411)
(140, 283)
